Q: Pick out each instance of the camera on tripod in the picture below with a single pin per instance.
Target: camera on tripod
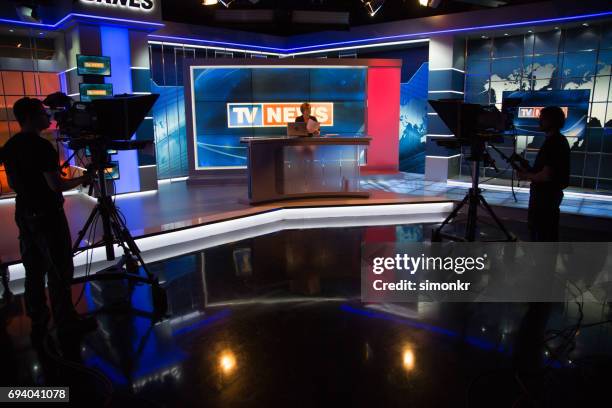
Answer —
(471, 124)
(474, 126)
(100, 126)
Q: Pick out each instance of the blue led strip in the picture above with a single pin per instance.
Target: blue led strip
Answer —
(317, 46)
(456, 30)
(219, 43)
(391, 37)
(71, 15)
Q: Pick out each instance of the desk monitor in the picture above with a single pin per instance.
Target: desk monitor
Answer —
(111, 172)
(297, 129)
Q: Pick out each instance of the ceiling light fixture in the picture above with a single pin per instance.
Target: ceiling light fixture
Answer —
(429, 3)
(27, 12)
(209, 2)
(372, 6)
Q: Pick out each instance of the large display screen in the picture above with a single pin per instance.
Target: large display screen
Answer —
(575, 105)
(230, 102)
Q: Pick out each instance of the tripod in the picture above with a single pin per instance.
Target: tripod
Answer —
(472, 199)
(114, 231)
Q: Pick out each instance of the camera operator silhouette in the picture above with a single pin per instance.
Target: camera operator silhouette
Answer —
(549, 176)
(32, 167)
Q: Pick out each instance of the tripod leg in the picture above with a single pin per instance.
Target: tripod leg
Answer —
(4, 275)
(158, 294)
(125, 238)
(470, 228)
(451, 216)
(107, 233)
(86, 227)
(499, 223)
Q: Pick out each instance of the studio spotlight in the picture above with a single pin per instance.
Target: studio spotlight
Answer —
(430, 3)
(27, 12)
(372, 6)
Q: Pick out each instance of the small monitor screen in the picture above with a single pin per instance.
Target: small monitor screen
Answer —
(89, 92)
(93, 65)
(111, 172)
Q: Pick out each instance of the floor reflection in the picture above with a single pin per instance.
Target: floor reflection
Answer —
(277, 320)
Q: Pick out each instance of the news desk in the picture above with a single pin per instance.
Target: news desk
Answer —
(281, 168)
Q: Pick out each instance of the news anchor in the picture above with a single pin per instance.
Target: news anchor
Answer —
(306, 118)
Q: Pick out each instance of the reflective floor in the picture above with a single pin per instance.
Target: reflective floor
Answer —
(277, 321)
(574, 202)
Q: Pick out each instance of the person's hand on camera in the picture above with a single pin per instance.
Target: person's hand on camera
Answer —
(87, 178)
(521, 161)
(523, 174)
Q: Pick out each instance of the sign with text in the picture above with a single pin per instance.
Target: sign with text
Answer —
(534, 111)
(485, 271)
(138, 5)
(133, 12)
(270, 114)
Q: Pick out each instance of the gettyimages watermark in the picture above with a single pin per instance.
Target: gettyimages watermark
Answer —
(486, 272)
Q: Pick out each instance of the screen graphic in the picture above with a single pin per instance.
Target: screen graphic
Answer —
(89, 92)
(275, 114)
(112, 171)
(575, 105)
(93, 65)
(413, 121)
(228, 103)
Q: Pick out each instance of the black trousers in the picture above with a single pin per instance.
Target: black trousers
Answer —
(543, 214)
(46, 251)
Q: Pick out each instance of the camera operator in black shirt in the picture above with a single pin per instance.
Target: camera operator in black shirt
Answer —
(32, 167)
(549, 176)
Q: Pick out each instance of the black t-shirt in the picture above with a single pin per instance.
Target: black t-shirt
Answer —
(301, 118)
(554, 153)
(26, 157)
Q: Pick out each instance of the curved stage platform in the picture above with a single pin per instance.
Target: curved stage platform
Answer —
(180, 218)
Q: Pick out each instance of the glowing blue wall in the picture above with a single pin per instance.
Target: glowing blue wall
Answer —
(115, 43)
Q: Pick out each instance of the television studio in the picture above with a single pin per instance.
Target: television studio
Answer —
(306, 203)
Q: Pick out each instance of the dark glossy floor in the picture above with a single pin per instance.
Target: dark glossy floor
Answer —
(277, 321)
(179, 205)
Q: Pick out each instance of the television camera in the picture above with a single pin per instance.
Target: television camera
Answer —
(107, 123)
(476, 127)
(100, 126)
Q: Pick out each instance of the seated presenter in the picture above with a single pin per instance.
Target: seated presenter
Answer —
(312, 124)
